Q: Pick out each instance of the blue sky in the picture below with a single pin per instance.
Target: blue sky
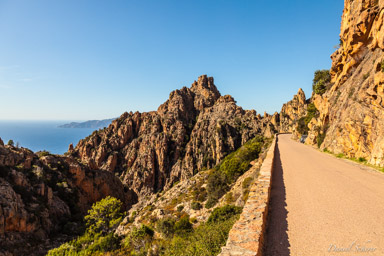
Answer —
(81, 60)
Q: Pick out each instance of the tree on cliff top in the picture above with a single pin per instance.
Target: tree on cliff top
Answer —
(321, 81)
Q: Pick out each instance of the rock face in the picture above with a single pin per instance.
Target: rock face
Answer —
(352, 110)
(292, 111)
(39, 195)
(361, 32)
(193, 130)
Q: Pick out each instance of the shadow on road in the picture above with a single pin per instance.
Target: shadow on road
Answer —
(277, 243)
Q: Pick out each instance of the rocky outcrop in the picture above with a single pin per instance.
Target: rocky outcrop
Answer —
(42, 194)
(352, 110)
(193, 130)
(292, 111)
(361, 32)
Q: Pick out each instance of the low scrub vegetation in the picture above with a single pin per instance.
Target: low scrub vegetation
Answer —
(312, 112)
(206, 239)
(178, 237)
(360, 160)
(98, 238)
(43, 153)
(321, 135)
(232, 167)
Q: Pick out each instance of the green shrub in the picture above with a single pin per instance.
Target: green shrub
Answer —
(183, 226)
(232, 166)
(88, 245)
(166, 226)
(229, 198)
(63, 250)
(362, 160)
(104, 216)
(321, 75)
(133, 216)
(320, 87)
(247, 182)
(236, 163)
(302, 127)
(216, 187)
(320, 81)
(43, 153)
(139, 240)
(206, 240)
(142, 231)
(11, 143)
(196, 206)
(210, 203)
(245, 195)
(199, 194)
(224, 213)
(180, 208)
(312, 112)
(321, 135)
(103, 244)
(320, 139)
(102, 219)
(340, 155)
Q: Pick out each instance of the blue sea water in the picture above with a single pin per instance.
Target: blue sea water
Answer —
(42, 135)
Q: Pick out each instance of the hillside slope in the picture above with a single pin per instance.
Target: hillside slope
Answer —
(351, 112)
(43, 198)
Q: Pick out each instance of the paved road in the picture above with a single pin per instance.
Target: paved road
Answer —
(321, 205)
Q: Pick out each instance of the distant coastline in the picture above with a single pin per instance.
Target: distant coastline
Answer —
(42, 135)
(94, 124)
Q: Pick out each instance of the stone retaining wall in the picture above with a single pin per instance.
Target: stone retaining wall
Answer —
(247, 234)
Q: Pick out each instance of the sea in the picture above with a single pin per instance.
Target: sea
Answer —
(42, 135)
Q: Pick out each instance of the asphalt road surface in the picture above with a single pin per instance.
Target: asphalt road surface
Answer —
(322, 205)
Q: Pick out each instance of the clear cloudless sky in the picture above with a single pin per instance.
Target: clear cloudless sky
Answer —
(91, 59)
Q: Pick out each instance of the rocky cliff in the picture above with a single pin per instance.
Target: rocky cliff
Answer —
(351, 111)
(193, 130)
(291, 112)
(42, 196)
